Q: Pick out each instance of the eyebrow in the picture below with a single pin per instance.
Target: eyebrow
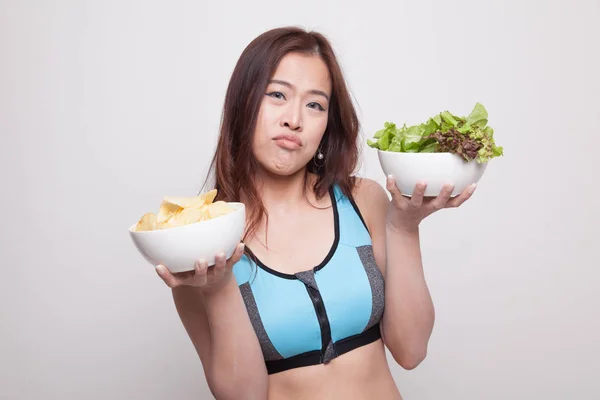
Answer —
(287, 84)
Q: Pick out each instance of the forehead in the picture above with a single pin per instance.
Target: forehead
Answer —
(306, 72)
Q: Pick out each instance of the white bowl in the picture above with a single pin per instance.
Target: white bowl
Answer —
(178, 248)
(436, 169)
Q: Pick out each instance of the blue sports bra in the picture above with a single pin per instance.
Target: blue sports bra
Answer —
(313, 316)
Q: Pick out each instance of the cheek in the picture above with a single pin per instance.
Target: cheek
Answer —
(268, 117)
(261, 131)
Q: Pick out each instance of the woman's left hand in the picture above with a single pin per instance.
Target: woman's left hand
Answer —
(406, 213)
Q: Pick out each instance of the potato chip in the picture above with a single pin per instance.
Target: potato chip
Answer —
(166, 211)
(188, 216)
(178, 211)
(165, 224)
(219, 208)
(195, 201)
(146, 223)
(210, 196)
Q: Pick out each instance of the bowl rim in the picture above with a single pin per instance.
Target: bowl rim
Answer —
(445, 154)
(241, 206)
(407, 152)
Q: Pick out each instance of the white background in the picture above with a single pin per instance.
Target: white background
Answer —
(106, 106)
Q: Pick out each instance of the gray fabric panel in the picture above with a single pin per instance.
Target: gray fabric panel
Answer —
(329, 353)
(375, 280)
(269, 351)
(308, 278)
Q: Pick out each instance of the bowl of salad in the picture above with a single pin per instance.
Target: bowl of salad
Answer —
(445, 149)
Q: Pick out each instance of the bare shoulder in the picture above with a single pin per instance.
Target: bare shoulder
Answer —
(371, 198)
(365, 184)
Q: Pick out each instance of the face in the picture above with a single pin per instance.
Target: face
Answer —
(293, 114)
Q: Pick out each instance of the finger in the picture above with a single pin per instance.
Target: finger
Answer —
(200, 273)
(219, 268)
(464, 196)
(181, 276)
(417, 198)
(400, 201)
(167, 277)
(440, 201)
(237, 255)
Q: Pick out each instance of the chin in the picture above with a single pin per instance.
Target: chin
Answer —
(283, 169)
(287, 170)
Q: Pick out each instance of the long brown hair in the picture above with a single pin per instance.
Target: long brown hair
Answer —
(234, 166)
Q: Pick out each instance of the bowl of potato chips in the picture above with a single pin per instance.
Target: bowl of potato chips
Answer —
(186, 229)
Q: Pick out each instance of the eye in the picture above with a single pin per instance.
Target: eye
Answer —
(315, 106)
(277, 95)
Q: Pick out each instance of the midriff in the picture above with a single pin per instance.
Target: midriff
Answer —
(362, 373)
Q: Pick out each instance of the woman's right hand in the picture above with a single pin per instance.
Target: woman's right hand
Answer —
(208, 279)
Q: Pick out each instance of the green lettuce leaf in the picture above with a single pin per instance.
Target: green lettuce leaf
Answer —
(466, 128)
(411, 136)
(478, 117)
(469, 137)
(430, 127)
(428, 146)
(373, 144)
(396, 145)
(448, 120)
(383, 136)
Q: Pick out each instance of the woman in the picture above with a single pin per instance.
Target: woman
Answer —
(298, 311)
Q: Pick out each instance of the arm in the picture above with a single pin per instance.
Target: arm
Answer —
(409, 314)
(219, 327)
(394, 225)
(408, 321)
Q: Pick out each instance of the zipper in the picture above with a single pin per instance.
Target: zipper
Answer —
(317, 301)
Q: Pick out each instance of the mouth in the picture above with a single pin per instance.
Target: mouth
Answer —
(288, 141)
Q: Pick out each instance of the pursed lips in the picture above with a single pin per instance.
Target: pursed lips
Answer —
(291, 139)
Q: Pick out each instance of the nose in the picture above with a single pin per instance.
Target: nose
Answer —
(292, 117)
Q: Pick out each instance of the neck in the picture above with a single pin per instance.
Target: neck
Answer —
(282, 195)
(284, 191)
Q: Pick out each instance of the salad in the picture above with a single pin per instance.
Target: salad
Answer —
(469, 137)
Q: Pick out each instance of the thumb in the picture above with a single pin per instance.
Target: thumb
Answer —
(237, 255)
(167, 277)
(394, 191)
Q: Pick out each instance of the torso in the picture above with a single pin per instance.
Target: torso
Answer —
(360, 374)
(290, 234)
(297, 242)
